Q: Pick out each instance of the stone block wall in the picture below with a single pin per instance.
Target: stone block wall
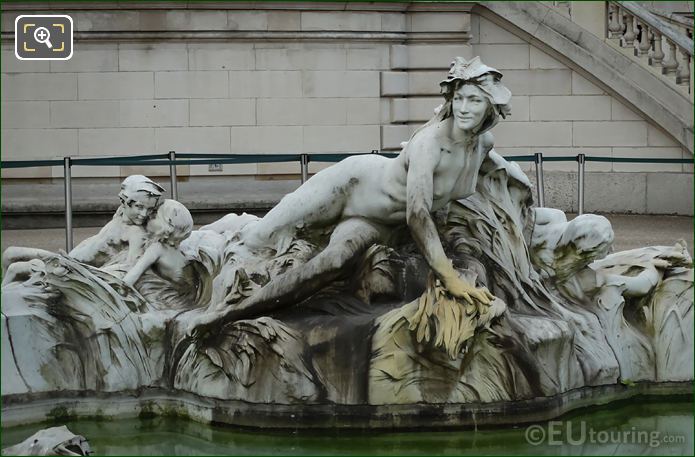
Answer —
(292, 78)
(283, 78)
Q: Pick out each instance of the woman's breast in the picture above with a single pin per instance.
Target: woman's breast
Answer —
(456, 178)
(465, 187)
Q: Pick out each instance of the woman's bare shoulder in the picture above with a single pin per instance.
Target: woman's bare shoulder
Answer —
(487, 141)
(423, 150)
(428, 140)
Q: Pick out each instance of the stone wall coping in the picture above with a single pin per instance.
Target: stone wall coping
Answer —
(26, 409)
(260, 5)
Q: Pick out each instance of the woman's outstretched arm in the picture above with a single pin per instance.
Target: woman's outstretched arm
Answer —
(21, 254)
(420, 193)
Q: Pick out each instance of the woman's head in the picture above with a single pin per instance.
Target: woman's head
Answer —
(472, 80)
(172, 224)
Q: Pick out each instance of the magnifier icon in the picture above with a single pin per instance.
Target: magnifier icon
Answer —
(42, 35)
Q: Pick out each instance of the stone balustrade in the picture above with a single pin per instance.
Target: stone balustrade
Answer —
(656, 42)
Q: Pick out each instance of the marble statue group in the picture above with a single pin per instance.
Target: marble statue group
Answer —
(425, 278)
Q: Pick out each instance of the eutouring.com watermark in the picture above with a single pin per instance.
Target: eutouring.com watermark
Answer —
(577, 433)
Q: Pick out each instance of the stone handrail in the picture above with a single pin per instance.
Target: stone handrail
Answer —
(627, 21)
(689, 24)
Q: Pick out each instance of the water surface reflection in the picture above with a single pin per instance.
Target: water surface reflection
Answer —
(639, 426)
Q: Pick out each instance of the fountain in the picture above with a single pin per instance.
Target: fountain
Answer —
(420, 290)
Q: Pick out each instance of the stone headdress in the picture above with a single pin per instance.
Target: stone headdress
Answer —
(486, 78)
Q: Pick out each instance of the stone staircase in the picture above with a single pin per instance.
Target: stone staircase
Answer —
(651, 71)
(661, 43)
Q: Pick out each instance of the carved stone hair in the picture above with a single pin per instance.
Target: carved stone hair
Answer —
(139, 184)
(178, 216)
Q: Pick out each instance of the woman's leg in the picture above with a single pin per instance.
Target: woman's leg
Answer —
(319, 202)
(17, 272)
(21, 254)
(349, 240)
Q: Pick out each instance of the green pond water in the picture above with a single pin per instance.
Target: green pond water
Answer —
(635, 427)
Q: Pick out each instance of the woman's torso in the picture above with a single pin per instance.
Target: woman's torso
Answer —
(455, 172)
(372, 187)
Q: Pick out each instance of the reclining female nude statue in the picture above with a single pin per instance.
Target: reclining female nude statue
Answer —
(360, 200)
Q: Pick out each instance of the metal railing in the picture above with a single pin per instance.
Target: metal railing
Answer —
(172, 159)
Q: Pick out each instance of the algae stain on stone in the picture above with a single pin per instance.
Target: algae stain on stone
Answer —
(147, 410)
(61, 413)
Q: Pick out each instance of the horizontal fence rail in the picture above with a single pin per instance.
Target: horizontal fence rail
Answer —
(207, 159)
(173, 158)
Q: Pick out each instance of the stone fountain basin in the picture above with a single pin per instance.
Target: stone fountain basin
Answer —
(55, 406)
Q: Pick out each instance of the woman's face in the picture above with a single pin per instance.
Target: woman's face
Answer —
(469, 107)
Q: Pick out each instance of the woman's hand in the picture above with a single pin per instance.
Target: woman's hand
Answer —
(461, 288)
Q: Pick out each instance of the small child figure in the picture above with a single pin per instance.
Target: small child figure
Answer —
(166, 230)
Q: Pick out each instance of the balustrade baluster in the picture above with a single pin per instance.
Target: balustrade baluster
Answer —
(660, 40)
(643, 47)
(658, 52)
(670, 65)
(629, 35)
(615, 29)
(683, 77)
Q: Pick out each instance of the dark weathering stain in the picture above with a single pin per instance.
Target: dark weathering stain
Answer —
(343, 189)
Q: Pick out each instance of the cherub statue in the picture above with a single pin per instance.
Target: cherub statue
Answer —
(140, 198)
(118, 242)
(166, 230)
